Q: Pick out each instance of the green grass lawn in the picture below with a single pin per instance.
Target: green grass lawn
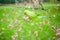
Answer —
(41, 25)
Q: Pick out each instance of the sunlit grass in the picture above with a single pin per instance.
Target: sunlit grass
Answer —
(14, 26)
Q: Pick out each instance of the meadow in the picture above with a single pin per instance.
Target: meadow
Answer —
(37, 25)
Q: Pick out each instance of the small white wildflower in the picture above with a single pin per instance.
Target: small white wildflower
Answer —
(10, 26)
(36, 33)
(26, 18)
(15, 20)
(19, 29)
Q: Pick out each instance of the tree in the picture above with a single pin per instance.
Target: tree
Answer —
(35, 3)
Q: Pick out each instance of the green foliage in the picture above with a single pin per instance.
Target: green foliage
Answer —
(12, 24)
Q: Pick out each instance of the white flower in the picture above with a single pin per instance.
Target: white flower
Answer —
(48, 22)
(36, 33)
(57, 4)
(14, 36)
(10, 26)
(40, 24)
(26, 18)
(15, 20)
(19, 29)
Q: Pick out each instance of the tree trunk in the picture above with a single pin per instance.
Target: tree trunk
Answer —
(35, 3)
(16, 2)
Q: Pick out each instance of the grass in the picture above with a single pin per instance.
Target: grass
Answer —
(42, 27)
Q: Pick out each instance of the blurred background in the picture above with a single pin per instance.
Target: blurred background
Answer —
(13, 1)
(29, 19)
